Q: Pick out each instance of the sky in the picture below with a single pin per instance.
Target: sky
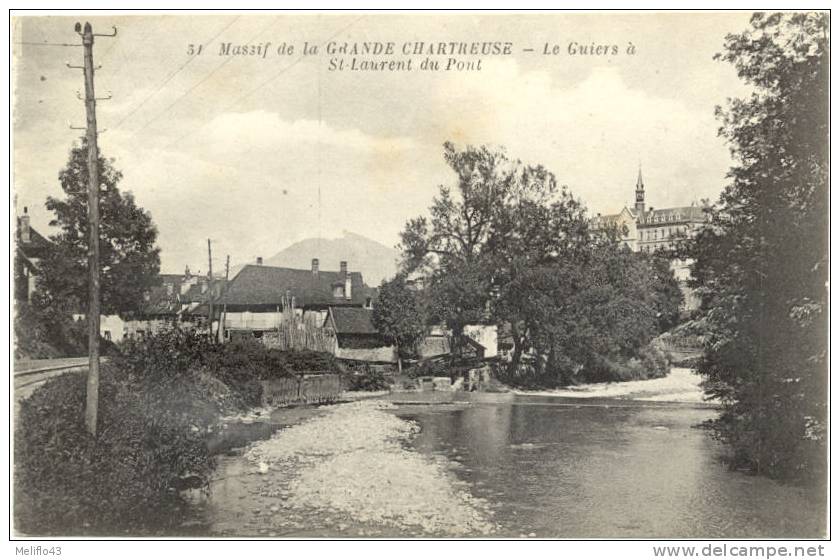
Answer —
(257, 152)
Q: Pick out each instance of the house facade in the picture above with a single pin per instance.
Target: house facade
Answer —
(260, 298)
(30, 247)
(176, 300)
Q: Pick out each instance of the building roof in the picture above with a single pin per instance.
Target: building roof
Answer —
(352, 320)
(672, 215)
(606, 220)
(36, 245)
(268, 285)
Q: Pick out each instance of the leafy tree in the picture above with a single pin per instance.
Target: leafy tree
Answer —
(511, 246)
(398, 316)
(589, 318)
(761, 266)
(667, 295)
(501, 218)
(129, 259)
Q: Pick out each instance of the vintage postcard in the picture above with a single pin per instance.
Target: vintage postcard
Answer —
(472, 275)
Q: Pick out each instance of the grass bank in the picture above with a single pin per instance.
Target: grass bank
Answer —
(163, 402)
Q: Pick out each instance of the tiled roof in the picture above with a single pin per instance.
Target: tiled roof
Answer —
(353, 320)
(267, 285)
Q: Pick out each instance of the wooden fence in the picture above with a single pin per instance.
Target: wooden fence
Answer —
(294, 333)
(306, 389)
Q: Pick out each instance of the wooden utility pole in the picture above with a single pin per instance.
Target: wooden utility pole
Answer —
(221, 327)
(92, 402)
(210, 287)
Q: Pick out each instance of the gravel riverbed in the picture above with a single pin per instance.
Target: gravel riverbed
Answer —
(350, 469)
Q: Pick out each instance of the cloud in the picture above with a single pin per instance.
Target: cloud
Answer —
(256, 182)
(593, 134)
(266, 131)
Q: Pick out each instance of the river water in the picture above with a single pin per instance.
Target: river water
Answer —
(576, 469)
(557, 467)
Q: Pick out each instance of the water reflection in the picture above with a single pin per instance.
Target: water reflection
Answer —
(558, 468)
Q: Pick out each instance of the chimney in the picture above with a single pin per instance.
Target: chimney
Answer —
(348, 285)
(343, 268)
(25, 235)
(314, 267)
(259, 261)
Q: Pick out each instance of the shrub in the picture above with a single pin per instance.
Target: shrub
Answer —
(308, 361)
(68, 482)
(368, 381)
(48, 333)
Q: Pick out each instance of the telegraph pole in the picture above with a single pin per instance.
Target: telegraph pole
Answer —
(210, 287)
(220, 329)
(92, 402)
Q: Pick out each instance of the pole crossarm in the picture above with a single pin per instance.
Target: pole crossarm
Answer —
(114, 34)
(82, 98)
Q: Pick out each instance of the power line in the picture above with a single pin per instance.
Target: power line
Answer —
(180, 97)
(172, 75)
(45, 44)
(204, 79)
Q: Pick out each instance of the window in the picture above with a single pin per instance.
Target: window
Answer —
(106, 335)
(338, 291)
(368, 303)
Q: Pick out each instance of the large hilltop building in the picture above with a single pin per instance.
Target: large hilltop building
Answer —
(652, 229)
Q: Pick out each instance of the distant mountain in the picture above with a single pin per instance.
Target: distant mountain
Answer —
(374, 260)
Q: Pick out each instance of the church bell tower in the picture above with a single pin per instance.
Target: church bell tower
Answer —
(640, 192)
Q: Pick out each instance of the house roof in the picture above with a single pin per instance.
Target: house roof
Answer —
(268, 285)
(36, 245)
(352, 320)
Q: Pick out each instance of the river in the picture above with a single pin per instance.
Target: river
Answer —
(542, 466)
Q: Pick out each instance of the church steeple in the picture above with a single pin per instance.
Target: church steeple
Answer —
(640, 192)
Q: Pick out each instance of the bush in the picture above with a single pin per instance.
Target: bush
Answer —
(368, 381)
(309, 361)
(158, 396)
(68, 482)
(51, 334)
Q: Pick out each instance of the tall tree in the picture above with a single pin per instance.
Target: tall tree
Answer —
(129, 258)
(588, 318)
(500, 219)
(399, 317)
(761, 266)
